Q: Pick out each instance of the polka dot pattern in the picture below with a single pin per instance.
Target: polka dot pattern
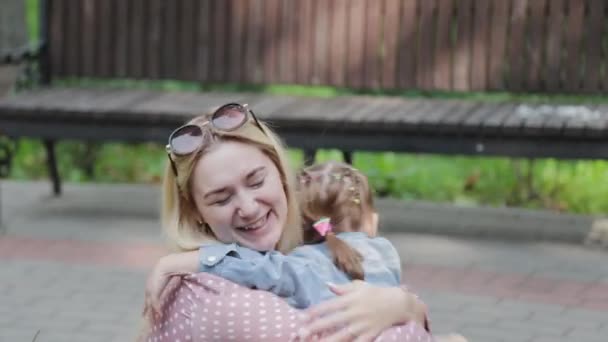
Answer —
(209, 308)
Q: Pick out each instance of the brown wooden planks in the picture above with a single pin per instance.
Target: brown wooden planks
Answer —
(203, 41)
(391, 44)
(271, 36)
(535, 50)
(73, 39)
(170, 51)
(137, 39)
(121, 53)
(219, 32)
(356, 32)
(320, 31)
(107, 30)
(498, 44)
(88, 38)
(462, 47)
(573, 45)
(555, 32)
(373, 40)
(426, 34)
(481, 44)
(153, 43)
(517, 45)
(338, 42)
(442, 71)
(593, 44)
(407, 43)
(304, 40)
(288, 43)
(56, 24)
(188, 13)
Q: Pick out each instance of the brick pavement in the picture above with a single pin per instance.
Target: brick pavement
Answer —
(73, 269)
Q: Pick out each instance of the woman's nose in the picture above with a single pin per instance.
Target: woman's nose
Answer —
(247, 207)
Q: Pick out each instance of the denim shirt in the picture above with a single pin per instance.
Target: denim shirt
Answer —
(301, 276)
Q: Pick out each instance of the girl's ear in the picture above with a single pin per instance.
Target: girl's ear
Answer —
(372, 225)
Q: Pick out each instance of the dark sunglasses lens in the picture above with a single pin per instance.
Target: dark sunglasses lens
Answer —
(186, 140)
(229, 117)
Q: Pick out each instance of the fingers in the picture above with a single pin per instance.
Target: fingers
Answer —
(327, 307)
(337, 319)
(344, 288)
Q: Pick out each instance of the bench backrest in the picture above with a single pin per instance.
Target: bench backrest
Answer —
(454, 45)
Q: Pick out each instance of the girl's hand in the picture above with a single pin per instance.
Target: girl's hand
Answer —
(164, 278)
(361, 312)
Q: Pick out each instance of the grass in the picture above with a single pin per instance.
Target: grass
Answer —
(572, 186)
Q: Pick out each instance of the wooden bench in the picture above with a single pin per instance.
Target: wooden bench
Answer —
(381, 45)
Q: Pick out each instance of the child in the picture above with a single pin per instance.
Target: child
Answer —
(340, 226)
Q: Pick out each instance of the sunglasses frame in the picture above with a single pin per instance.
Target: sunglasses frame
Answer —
(169, 149)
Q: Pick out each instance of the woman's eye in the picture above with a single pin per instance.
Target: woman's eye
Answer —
(222, 201)
(258, 184)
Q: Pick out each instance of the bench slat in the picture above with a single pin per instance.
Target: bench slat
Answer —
(492, 125)
(436, 114)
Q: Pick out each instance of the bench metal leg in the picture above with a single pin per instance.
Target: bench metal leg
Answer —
(309, 157)
(347, 156)
(51, 160)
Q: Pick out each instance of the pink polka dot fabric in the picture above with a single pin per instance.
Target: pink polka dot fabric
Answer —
(209, 308)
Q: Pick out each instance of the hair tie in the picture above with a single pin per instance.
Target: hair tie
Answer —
(323, 226)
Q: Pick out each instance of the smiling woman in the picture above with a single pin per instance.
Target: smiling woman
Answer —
(228, 184)
(245, 202)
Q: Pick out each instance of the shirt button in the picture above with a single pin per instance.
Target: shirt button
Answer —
(211, 258)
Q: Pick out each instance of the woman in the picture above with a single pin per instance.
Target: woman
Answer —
(229, 180)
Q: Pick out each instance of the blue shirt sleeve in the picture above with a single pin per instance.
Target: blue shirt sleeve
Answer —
(291, 277)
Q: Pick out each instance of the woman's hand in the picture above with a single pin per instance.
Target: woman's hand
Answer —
(361, 312)
(164, 278)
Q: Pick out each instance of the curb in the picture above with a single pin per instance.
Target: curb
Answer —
(483, 222)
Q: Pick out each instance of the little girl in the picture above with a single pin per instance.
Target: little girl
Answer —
(340, 226)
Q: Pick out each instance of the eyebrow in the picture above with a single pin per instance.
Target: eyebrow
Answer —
(220, 190)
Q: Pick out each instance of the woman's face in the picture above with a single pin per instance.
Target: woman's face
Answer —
(239, 194)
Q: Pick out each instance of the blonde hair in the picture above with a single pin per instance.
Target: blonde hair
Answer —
(341, 193)
(180, 218)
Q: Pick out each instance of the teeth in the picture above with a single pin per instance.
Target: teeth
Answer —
(257, 224)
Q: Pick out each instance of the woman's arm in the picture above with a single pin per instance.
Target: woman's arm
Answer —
(357, 310)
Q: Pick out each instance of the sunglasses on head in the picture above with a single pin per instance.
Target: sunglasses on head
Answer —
(189, 138)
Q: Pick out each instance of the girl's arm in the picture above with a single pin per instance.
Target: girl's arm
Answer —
(166, 268)
(290, 276)
(295, 276)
